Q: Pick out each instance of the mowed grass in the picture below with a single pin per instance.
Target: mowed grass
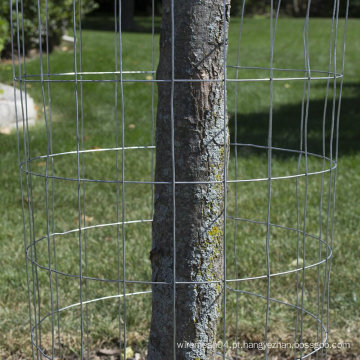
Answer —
(100, 115)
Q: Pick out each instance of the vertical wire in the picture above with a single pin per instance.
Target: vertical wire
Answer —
(122, 169)
(327, 262)
(52, 174)
(152, 107)
(46, 177)
(173, 170)
(225, 41)
(337, 146)
(26, 140)
(269, 183)
(269, 169)
(341, 81)
(236, 176)
(307, 68)
(298, 230)
(117, 167)
(320, 300)
(48, 151)
(332, 50)
(29, 189)
(19, 162)
(332, 182)
(86, 282)
(301, 146)
(78, 167)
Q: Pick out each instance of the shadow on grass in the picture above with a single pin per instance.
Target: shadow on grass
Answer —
(253, 128)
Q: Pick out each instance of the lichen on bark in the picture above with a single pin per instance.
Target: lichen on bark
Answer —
(200, 141)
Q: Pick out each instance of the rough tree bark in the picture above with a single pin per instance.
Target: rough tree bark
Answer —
(199, 153)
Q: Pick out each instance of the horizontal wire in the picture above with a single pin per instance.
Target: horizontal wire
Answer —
(150, 220)
(292, 306)
(280, 69)
(265, 79)
(182, 282)
(75, 305)
(284, 177)
(135, 72)
(91, 73)
(281, 302)
(153, 147)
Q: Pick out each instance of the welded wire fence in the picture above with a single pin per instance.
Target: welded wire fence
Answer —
(87, 186)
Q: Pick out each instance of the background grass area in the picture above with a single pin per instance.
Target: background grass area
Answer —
(104, 251)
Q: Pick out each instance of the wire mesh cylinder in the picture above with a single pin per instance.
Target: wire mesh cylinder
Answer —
(87, 179)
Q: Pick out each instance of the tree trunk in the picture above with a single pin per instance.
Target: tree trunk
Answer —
(199, 109)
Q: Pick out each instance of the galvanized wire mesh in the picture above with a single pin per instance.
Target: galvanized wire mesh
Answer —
(82, 271)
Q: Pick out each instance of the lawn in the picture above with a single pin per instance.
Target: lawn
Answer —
(104, 251)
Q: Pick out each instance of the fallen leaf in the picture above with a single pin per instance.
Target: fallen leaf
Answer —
(129, 352)
(295, 262)
(108, 352)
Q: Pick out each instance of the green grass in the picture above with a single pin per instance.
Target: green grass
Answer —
(102, 243)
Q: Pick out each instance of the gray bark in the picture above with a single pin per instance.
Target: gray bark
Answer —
(200, 156)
